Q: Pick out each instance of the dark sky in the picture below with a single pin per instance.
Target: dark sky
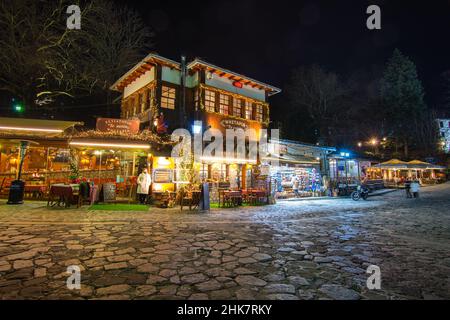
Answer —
(266, 39)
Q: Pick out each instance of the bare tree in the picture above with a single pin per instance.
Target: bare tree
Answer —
(27, 32)
(317, 92)
(40, 58)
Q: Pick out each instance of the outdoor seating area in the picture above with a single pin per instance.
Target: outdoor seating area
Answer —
(235, 198)
(394, 173)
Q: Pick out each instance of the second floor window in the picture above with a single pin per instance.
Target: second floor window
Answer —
(168, 98)
(210, 100)
(150, 96)
(141, 103)
(224, 104)
(237, 107)
(248, 110)
(259, 115)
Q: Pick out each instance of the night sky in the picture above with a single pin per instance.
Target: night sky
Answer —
(267, 39)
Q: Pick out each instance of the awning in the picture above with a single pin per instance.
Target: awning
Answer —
(393, 164)
(293, 159)
(396, 164)
(417, 165)
(34, 127)
(103, 144)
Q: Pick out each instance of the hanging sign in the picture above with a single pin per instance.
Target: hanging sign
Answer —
(118, 125)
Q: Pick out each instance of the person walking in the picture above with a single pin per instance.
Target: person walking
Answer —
(144, 181)
(408, 188)
(295, 185)
(415, 188)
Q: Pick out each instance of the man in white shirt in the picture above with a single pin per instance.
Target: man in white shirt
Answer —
(143, 181)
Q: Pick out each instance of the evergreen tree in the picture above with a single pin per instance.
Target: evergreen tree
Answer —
(403, 98)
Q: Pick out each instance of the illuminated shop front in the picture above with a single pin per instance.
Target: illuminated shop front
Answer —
(300, 165)
(47, 156)
(348, 170)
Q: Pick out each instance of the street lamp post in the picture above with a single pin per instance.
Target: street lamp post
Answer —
(17, 189)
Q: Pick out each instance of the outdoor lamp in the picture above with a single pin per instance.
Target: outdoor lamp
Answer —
(197, 127)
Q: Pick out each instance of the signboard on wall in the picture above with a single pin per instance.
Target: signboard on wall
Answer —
(223, 123)
(118, 125)
(162, 176)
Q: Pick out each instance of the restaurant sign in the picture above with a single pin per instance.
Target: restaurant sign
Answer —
(233, 124)
(118, 125)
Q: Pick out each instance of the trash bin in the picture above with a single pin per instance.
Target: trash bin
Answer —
(16, 192)
(204, 200)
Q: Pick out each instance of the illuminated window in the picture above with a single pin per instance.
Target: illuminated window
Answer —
(150, 96)
(196, 99)
(210, 100)
(141, 102)
(224, 104)
(134, 107)
(168, 98)
(237, 107)
(248, 110)
(259, 113)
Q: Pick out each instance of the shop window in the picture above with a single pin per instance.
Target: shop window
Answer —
(224, 104)
(219, 172)
(237, 107)
(168, 98)
(259, 113)
(248, 110)
(203, 173)
(210, 100)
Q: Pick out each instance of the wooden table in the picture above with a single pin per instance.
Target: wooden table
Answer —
(253, 196)
(35, 191)
(62, 195)
(230, 198)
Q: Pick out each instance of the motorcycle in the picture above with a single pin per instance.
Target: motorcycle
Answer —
(361, 192)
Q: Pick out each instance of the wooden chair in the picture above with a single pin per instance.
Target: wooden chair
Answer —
(190, 198)
(84, 195)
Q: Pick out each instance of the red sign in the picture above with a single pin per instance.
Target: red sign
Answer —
(238, 84)
(118, 125)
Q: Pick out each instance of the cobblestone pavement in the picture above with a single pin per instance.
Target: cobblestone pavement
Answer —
(293, 250)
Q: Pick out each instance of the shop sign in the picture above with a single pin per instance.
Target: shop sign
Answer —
(108, 192)
(162, 176)
(233, 124)
(118, 125)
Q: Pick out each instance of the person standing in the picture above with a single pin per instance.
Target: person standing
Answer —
(144, 181)
(408, 188)
(415, 188)
(295, 185)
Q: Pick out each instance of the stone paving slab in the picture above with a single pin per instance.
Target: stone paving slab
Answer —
(303, 250)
